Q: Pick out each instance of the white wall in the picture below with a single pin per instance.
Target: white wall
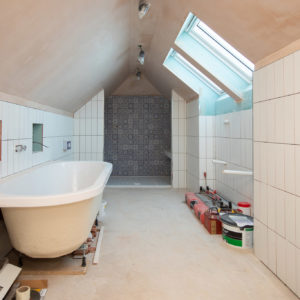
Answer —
(178, 141)
(234, 146)
(17, 129)
(192, 146)
(89, 129)
(207, 145)
(277, 168)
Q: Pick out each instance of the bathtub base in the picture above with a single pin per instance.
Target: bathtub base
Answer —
(53, 231)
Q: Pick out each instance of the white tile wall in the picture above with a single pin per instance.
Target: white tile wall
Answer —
(277, 166)
(234, 146)
(207, 150)
(89, 129)
(17, 123)
(178, 141)
(192, 146)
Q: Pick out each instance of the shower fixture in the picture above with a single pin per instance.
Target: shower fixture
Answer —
(138, 74)
(141, 56)
(143, 8)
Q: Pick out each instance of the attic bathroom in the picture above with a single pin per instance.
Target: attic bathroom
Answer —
(149, 149)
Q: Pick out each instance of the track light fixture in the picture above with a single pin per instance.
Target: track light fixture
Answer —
(143, 8)
(141, 56)
(138, 74)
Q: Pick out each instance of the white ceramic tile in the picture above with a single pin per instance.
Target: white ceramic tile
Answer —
(279, 81)
(256, 122)
(257, 200)
(94, 109)
(175, 127)
(270, 116)
(288, 74)
(297, 72)
(289, 169)
(298, 272)
(182, 109)
(100, 109)
(272, 256)
(175, 179)
(261, 241)
(175, 161)
(289, 120)
(88, 127)
(82, 127)
(297, 167)
(181, 179)
(279, 176)
(256, 88)
(296, 117)
(181, 162)
(264, 203)
(175, 109)
(281, 258)
(280, 212)
(270, 81)
(271, 210)
(291, 266)
(264, 162)
(271, 164)
(290, 218)
(257, 160)
(297, 220)
(279, 117)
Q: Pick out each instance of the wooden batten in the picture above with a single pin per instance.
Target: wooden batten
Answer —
(283, 52)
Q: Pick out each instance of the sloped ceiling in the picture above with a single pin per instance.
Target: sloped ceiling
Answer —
(61, 53)
(133, 87)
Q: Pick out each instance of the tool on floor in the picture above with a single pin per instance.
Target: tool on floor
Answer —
(237, 230)
(212, 221)
(191, 199)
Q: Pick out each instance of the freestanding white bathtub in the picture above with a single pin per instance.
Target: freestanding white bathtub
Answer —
(49, 210)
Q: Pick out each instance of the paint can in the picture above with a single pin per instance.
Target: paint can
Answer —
(237, 230)
(245, 207)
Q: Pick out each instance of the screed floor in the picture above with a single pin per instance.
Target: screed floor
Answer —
(139, 181)
(155, 249)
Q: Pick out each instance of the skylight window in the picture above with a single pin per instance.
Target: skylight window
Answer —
(192, 69)
(220, 48)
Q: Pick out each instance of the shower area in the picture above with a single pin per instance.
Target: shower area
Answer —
(137, 138)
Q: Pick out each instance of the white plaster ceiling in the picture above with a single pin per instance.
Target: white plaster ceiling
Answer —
(61, 53)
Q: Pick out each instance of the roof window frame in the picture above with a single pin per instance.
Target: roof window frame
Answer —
(205, 38)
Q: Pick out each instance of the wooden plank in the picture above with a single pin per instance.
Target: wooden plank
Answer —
(8, 275)
(98, 247)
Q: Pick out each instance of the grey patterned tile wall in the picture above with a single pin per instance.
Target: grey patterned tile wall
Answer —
(137, 132)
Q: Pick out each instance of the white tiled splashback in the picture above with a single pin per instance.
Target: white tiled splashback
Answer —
(89, 129)
(17, 123)
(178, 141)
(234, 146)
(277, 168)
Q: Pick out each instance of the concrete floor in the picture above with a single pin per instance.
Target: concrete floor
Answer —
(154, 248)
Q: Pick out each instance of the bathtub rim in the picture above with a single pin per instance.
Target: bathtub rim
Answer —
(96, 188)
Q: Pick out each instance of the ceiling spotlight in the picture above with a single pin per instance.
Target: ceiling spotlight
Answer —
(143, 8)
(141, 56)
(138, 74)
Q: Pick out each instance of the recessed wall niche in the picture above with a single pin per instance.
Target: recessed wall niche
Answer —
(37, 137)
